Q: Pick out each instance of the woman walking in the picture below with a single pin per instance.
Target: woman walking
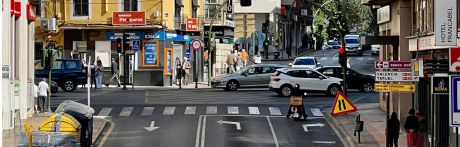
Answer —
(393, 130)
(239, 62)
(411, 126)
(257, 59)
(99, 73)
(93, 75)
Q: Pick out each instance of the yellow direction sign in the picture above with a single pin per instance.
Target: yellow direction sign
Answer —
(391, 87)
(342, 105)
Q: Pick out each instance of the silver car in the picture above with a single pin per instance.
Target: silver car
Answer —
(250, 77)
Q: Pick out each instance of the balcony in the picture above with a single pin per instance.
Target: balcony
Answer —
(375, 2)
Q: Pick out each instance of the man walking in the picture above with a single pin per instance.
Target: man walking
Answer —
(186, 70)
(245, 57)
(115, 73)
(43, 93)
(231, 60)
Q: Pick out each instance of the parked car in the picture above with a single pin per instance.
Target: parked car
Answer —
(68, 73)
(54, 86)
(257, 75)
(353, 44)
(332, 44)
(355, 80)
(375, 49)
(310, 80)
(305, 62)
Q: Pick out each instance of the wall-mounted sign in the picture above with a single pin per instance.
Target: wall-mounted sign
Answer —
(454, 57)
(191, 24)
(440, 85)
(128, 18)
(30, 12)
(6, 71)
(168, 68)
(131, 35)
(445, 22)
(392, 64)
(417, 68)
(392, 87)
(136, 45)
(150, 51)
(454, 101)
(395, 76)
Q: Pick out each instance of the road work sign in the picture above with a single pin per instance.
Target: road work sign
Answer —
(391, 87)
(342, 105)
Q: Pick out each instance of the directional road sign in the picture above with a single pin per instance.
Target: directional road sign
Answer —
(393, 65)
(391, 87)
(395, 76)
(342, 105)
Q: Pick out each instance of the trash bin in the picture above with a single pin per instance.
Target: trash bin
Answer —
(83, 114)
(61, 122)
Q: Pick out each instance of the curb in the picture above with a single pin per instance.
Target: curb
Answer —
(342, 134)
(104, 125)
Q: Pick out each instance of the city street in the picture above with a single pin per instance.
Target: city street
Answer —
(213, 117)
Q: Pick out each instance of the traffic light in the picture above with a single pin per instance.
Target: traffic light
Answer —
(342, 57)
(125, 42)
(119, 50)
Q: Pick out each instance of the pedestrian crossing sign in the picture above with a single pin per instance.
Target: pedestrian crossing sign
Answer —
(342, 105)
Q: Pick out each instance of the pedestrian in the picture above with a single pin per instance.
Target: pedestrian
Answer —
(186, 71)
(257, 59)
(85, 67)
(99, 74)
(93, 75)
(239, 62)
(231, 60)
(35, 95)
(178, 71)
(43, 93)
(245, 57)
(423, 130)
(393, 130)
(115, 73)
(411, 126)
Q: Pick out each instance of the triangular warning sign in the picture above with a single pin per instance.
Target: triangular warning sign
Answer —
(342, 105)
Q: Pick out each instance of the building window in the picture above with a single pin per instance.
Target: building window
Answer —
(423, 16)
(130, 5)
(80, 8)
(38, 8)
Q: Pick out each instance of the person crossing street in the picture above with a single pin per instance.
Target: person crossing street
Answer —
(115, 73)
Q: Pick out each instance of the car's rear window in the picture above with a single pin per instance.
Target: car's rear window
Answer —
(304, 62)
(71, 64)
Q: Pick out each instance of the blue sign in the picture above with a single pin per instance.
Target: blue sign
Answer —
(136, 45)
(137, 35)
(150, 53)
(454, 101)
(187, 53)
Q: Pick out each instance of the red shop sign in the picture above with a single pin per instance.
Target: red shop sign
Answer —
(128, 18)
(17, 9)
(30, 13)
(192, 24)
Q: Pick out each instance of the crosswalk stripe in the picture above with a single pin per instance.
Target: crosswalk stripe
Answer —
(169, 110)
(316, 112)
(274, 111)
(254, 110)
(147, 111)
(371, 58)
(190, 110)
(211, 110)
(126, 111)
(360, 59)
(335, 58)
(323, 58)
(104, 112)
(233, 110)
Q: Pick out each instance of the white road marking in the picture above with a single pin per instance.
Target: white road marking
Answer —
(336, 55)
(211, 110)
(105, 112)
(147, 111)
(371, 58)
(190, 110)
(254, 110)
(305, 126)
(169, 110)
(274, 111)
(237, 124)
(360, 59)
(316, 112)
(275, 139)
(203, 131)
(233, 110)
(335, 58)
(126, 111)
(151, 127)
(323, 58)
(198, 130)
(324, 142)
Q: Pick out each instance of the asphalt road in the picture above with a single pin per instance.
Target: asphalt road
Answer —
(212, 117)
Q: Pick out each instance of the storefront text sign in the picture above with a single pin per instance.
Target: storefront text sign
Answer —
(192, 24)
(445, 22)
(440, 85)
(454, 57)
(128, 18)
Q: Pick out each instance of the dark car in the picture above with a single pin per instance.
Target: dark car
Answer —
(332, 44)
(54, 86)
(68, 74)
(354, 80)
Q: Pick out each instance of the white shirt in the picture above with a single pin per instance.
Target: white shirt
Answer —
(35, 92)
(43, 88)
(257, 60)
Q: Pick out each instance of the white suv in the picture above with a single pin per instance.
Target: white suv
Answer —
(305, 62)
(283, 81)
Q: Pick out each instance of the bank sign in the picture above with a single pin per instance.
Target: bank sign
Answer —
(445, 22)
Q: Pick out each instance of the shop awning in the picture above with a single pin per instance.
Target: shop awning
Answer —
(106, 27)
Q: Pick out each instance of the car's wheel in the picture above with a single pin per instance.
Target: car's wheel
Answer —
(68, 85)
(333, 89)
(285, 90)
(232, 85)
(367, 87)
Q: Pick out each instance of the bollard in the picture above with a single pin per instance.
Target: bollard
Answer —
(28, 129)
(359, 127)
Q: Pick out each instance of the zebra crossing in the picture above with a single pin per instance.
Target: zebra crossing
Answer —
(193, 110)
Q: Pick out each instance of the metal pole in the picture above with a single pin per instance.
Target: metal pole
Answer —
(88, 84)
(195, 76)
(124, 61)
(456, 136)
(388, 117)
(50, 54)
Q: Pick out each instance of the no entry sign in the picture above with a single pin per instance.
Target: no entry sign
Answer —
(196, 45)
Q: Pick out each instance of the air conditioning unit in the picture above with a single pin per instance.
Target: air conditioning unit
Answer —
(49, 25)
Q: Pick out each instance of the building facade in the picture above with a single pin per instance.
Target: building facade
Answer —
(17, 19)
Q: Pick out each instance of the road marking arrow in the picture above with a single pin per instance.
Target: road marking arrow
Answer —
(305, 126)
(238, 125)
(151, 127)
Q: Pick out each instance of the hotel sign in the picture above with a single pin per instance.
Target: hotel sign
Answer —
(445, 22)
(128, 18)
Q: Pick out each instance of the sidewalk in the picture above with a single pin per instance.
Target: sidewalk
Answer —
(10, 138)
(374, 126)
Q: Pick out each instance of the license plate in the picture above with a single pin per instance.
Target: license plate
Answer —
(296, 115)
